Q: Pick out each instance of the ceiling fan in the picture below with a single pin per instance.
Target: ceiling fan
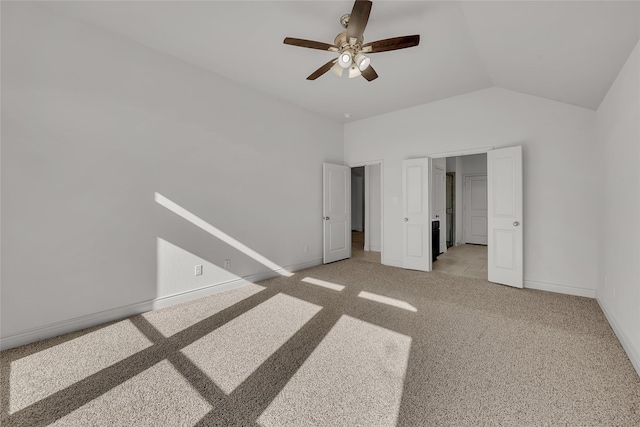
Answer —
(350, 45)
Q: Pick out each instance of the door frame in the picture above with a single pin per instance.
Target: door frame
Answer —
(367, 220)
(461, 152)
(431, 206)
(457, 153)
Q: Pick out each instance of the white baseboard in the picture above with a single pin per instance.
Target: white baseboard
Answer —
(561, 289)
(304, 265)
(632, 353)
(82, 322)
(375, 248)
(71, 325)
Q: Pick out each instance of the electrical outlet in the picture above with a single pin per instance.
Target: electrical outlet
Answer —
(227, 264)
(198, 270)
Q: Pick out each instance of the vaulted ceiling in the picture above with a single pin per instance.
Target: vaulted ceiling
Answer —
(565, 51)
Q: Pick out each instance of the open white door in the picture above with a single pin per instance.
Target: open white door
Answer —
(336, 212)
(504, 221)
(416, 227)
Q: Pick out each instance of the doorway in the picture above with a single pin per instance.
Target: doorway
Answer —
(504, 200)
(366, 212)
(465, 225)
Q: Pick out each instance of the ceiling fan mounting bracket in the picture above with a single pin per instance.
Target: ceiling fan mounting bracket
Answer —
(344, 20)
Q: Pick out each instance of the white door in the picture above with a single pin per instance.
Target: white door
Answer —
(336, 212)
(475, 209)
(416, 225)
(438, 186)
(504, 196)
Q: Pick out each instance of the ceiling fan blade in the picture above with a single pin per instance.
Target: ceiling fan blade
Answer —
(369, 73)
(320, 71)
(310, 44)
(391, 44)
(358, 20)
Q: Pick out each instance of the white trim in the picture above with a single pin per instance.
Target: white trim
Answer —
(375, 248)
(461, 153)
(205, 291)
(71, 325)
(632, 353)
(82, 322)
(364, 163)
(367, 207)
(560, 289)
(305, 265)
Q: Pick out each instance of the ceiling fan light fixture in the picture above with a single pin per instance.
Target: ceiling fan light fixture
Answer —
(362, 61)
(354, 71)
(337, 69)
(345, 59)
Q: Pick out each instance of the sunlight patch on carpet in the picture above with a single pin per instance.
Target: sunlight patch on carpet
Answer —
(323, 283)
(44, 373)
(387, 300)
(158, 396)
(174, 319)
(231, 353)
(354, 377)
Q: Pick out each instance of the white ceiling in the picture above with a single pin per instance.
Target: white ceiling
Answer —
(566, 51)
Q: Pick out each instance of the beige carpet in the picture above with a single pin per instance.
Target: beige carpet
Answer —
(357, 343)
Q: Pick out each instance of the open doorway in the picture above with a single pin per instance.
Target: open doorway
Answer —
(366, 212)
(463, 235)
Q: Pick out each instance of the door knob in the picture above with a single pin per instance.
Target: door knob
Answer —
(406, 219)
(437, 216)
(516, 223)
(326, 218)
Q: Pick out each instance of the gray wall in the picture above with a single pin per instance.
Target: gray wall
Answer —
(93, 126)
(560, 196)
(618, 120)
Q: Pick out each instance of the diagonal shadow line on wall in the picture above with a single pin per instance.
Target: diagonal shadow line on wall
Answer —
(63, 402)
(219, 234)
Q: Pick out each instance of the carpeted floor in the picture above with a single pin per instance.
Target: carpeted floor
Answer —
(355, 343)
